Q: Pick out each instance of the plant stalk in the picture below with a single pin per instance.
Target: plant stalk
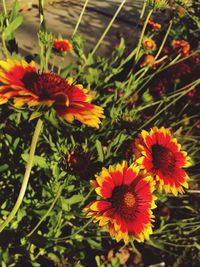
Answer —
(101, 38)
(142, 35)
(26, 176)
(41, 14)
(5, 11)
(77, 232)
(49, 210)
(80, 18)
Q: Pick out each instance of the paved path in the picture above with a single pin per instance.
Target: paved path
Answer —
(61, 17)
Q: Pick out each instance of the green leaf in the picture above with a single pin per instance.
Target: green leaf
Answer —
(65, 203)
(53, 257)
(4, 167)
(15, 9)
(38, 161)
(94, 244)
(20, 215)
(16, 142)
(34, 115)
(120, 49)
(97, 259)
(13, 26)
(66, 70)
(3, 206)
(9, 138)
(155, 243)
(100, 150)
(146, 97)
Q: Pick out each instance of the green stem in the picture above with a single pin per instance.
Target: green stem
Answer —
(5, 11)
(162, 68)
(26, 176)
(172, 62)
(80, 17)
(123, 62)
(77, 232)
(7, 54)
(193, 191)
(180, 92)
(142, 35)
(87, 196)
(135, 250)
(143, 9)
(101, 38)
(41, 14)
(42, 30)
(164, 40)
(107, 28)
(167, 106)
(49, 210)
(3, 36)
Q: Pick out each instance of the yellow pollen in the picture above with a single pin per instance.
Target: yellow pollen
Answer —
(129, 199)
(67, 102)
(149, 44)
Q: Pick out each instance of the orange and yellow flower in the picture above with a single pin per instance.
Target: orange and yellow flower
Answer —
(62, 45)
(161, 156)
(183, 45)
(22, 83)
(148, 60)
(149, 44)
(127, 202)
(154, 25)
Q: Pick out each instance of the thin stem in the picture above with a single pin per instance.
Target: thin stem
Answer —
(123, 62)
(162, 68)
(4, 45)
(135, 250)
(164, 40)
(175, 61)
(107, 28)
(193, 191)
(142, 35)
(26, 176)
(102, 37)
(49, 210)
(167, 106)
(143, 9)
(77, 232)
(167, 98)
(3, 35)
(87, 196)
(80, 18)
(41, 14)
(177, 245)
(42, 30)
(5, 11)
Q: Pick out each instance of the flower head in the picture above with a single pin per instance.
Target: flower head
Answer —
(161, 156)
(23, 84)
(148, 60)
(183, 45)
(154, 25)
(149, 44)
(180, 70)
(62, 45)
(125, 209)
(77, 161)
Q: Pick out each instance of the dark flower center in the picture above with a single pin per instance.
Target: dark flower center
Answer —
(123, 200)
(44, 85)
(78, 162)
(163, 158)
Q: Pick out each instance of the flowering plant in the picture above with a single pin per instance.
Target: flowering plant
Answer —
(93, 153)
